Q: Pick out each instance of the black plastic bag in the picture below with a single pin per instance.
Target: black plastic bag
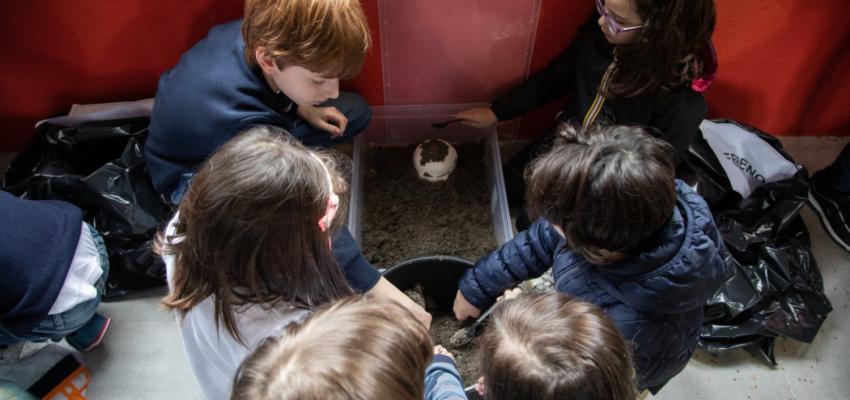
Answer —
(776, 287)
(99, 167)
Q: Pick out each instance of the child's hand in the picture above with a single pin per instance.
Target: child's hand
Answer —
(463, 309)
(480, 387)
(442, 350)
(325, 118)
(385, 290)
(510, 294)
(479, 117)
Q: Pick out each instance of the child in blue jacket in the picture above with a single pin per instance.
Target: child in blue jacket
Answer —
(620, 232)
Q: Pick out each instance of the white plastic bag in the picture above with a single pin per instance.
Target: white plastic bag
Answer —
(747, 159)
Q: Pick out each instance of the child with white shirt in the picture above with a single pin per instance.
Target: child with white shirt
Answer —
(53, 269)
(249, 251)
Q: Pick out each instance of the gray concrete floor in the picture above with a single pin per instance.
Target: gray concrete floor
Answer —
(142, 355)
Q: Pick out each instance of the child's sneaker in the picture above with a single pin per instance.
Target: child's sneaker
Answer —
(91, 334)
(833, 209)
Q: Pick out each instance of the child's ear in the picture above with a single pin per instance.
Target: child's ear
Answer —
(265, 59)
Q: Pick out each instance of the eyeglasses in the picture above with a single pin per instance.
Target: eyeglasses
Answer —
(613, 26)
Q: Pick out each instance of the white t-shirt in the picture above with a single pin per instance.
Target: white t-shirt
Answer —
(84, 272)
(213, 353)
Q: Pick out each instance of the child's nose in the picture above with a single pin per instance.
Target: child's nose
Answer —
(332, 90)
(601, 21)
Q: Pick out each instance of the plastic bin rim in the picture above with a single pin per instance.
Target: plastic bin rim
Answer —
(438, 258)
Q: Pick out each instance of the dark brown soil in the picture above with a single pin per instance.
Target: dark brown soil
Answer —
(443, 326)
(405, 217)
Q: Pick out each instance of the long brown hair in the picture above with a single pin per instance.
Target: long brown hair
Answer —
(329, 37)
(247, 231)
(551, 346)
(607, 188)
(666, 53)
(359, 348)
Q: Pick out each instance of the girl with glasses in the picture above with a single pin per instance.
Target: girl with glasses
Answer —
(637, 62)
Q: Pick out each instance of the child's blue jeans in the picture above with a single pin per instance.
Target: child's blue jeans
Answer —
(58, 326)
(352, 105)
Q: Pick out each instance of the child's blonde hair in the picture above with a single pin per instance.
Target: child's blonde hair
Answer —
(328, 37)
(248, 230)
(357, 349)
(552, 346)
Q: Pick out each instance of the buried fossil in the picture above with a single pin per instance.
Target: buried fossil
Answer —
(434, 160)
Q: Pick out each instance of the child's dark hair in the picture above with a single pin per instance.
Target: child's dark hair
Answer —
(667, 54)
(607, 188)
(359, 348)
(248, 229)
(551, 346)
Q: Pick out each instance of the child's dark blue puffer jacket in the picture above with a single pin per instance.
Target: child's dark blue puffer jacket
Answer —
(655, 298)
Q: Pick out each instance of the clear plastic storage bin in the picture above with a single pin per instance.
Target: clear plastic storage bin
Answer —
(407, 125)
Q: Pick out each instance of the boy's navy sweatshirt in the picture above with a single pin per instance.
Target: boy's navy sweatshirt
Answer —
(210, 96)
(37, 244)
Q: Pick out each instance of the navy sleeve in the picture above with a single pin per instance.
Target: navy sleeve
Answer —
(359, 273)
(526, 256)
(556, 80)
(549, 84)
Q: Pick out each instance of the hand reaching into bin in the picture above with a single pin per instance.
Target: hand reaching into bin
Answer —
(386, 290)
(328, 119)
(463, 337)
(442, 350)
(463, 309)
(479, 117)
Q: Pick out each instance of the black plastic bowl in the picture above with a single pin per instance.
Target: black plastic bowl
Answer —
(438, 276)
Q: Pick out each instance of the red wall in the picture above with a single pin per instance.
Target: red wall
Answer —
(785, 64)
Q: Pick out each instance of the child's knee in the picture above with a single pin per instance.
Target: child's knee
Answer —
(357, 110)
